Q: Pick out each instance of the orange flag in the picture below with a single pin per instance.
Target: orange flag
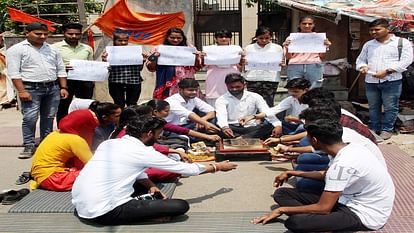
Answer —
(143, 28)
(20, 16)
(91, 42)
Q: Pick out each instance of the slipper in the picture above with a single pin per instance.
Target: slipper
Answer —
(14, 196)
(23, 178)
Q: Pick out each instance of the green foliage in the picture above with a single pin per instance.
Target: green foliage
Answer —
(251, 3)
(59, 12)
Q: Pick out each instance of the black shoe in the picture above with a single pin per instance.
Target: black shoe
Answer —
(28, 152)
(14, 196)
(23, 178)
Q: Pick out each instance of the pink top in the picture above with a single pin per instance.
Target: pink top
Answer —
(215, 86)
(182, 72)
(176, 129)
(305, 58)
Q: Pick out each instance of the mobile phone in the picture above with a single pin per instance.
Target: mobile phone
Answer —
(157, 196)
(152, 58)
(145, 197)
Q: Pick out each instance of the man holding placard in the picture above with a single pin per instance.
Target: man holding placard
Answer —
(70, 48)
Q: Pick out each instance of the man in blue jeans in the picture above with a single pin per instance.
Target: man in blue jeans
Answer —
(39, 76)
(382, 60)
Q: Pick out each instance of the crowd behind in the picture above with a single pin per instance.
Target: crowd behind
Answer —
(121, 149)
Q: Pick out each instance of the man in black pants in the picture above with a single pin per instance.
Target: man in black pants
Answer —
(106, 188)
(71, 48)
(358, 194)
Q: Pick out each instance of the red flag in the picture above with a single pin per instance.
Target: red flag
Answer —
(143, 28)
(20, 16)
(90, 39)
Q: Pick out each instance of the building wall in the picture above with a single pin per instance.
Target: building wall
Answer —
(249, 23)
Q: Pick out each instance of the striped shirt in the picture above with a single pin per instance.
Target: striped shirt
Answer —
(31, 64)
(382, 56)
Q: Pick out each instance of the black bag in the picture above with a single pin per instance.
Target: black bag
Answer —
(407, 92)
(408, 83)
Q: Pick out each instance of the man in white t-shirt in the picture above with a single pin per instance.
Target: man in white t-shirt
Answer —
(238, 103)
(358, 194)
(184, 104)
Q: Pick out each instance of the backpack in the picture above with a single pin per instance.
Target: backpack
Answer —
(407, 76)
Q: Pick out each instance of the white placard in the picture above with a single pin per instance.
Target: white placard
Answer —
(176, 55)
(124, 55)
(264, 60)
(222, 54)
(307, 43)
(88, 70)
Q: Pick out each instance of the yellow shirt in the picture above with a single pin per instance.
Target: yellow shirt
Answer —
(53, 153)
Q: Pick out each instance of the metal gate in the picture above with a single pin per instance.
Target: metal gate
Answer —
(213, 15)
(275, 17)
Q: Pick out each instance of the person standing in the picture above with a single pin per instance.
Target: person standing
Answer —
(382, 60)
(124, 81)
(39, 76)
(168, 77)
(306, 65)
(263, 82)
(71, 49)
(215, 86)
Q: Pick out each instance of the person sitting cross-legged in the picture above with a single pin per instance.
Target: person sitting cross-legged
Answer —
(106, 190)
(293, 107)
(358, 193)
(189, 111)
(62, 154)
(238, 103)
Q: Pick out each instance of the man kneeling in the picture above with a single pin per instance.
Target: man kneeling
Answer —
(358, 194)
(106, 190)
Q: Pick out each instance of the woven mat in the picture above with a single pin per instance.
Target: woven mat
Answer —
(201, 222)
(400, 166)
(43, 201)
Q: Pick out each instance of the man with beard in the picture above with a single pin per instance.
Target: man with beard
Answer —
(237, 104)
(358, 193)
(189, 111)
(71, 49)
(106, 190)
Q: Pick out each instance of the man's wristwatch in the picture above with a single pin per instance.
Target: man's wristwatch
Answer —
(64, 88)
(389, 71)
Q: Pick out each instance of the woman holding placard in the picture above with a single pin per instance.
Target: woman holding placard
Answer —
(263, 81)
(124, 81)
(306, 65)
(215, 86)
(168, 76)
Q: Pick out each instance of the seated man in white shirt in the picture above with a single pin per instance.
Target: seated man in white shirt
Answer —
(185, 104)
(358, 193)
(106, 190)
(237, 103)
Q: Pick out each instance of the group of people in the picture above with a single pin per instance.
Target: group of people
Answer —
(111, 149)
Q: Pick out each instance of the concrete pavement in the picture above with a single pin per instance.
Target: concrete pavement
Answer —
(247, 188)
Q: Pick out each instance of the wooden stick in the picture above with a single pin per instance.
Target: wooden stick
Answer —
(354, 82)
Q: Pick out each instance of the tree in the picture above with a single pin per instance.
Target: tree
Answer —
(60, 13)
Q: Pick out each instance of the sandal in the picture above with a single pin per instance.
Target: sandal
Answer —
(14, 196)
(23, 178)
